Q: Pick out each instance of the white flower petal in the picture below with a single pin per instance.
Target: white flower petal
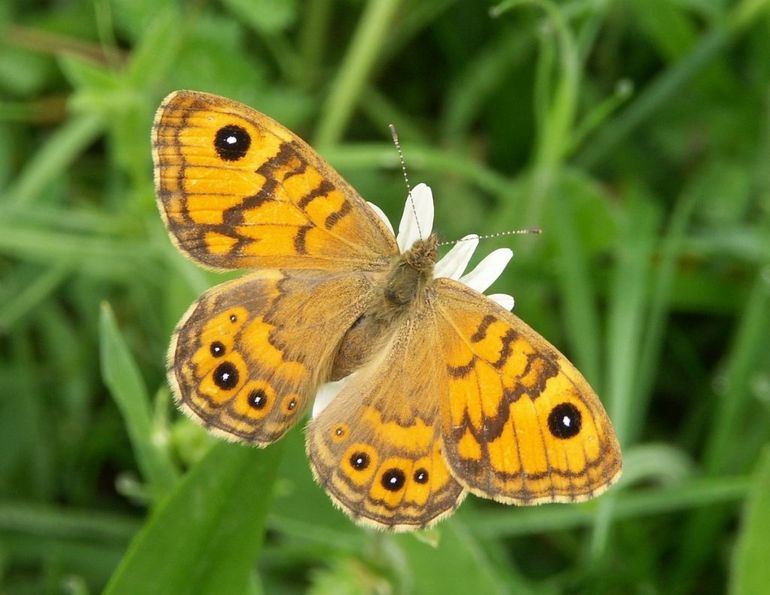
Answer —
(327, 393)
(454, 262)
(488, 270)
(505, 300)
(381, 214)
(419, 206)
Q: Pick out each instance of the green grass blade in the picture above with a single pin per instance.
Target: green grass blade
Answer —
(373, 30)
(751, 572)
(457, 564)
(749, 345)
(578, 293)
(647, 503)
(32, 295)
(55, 157)
(206, 535)
(66, 524)
(627, 311)
(121, 375)
(421, 158)
(720, 451)
(664, 276)
(95, 254)
(671, 81)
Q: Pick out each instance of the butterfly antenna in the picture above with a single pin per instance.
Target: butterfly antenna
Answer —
(499, 234)
(397, 143)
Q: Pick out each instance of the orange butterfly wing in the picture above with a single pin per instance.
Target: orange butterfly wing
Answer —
(249, 355)
(520, 423)
(377, 447)
(238, 190)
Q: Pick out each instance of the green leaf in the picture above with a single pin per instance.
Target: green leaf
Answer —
(751, 572)
(457, 564)
(267, 16)
(121, 374)
(666, 25)
(205, 536)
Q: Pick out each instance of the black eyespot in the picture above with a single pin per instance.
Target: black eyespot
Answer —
(217, 349)
(233, 318)
(393, 480)
(339, 431)
(564, 421)
(359, 461)
(291, 404)
(232, 142)
(421, 476)
(258, 399)
(226, 376)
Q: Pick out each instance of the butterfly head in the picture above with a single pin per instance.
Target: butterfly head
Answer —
(422, 255)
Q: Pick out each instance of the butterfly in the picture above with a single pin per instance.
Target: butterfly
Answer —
(438, 390)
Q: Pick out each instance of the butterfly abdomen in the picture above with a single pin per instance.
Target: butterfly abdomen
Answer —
(365, 338)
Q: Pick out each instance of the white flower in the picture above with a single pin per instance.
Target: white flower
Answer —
(417, 223)
(419, 208)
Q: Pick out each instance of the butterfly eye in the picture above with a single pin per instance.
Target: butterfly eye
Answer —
(393, 480)
(226, 376)
(232, 142)
(564, 421)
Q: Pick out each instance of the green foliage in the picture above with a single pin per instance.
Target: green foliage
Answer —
(635, 134)
(751, 572)
(222, 518)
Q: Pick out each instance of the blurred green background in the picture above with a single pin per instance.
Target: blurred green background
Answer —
(635, 133)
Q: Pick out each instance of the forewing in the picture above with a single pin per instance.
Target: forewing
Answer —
(238, 190)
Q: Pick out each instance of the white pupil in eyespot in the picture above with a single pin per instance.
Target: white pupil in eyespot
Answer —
(566, 421)
(231, 140)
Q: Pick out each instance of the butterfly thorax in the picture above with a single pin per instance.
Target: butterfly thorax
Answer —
(393, 295)
(410, 272)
